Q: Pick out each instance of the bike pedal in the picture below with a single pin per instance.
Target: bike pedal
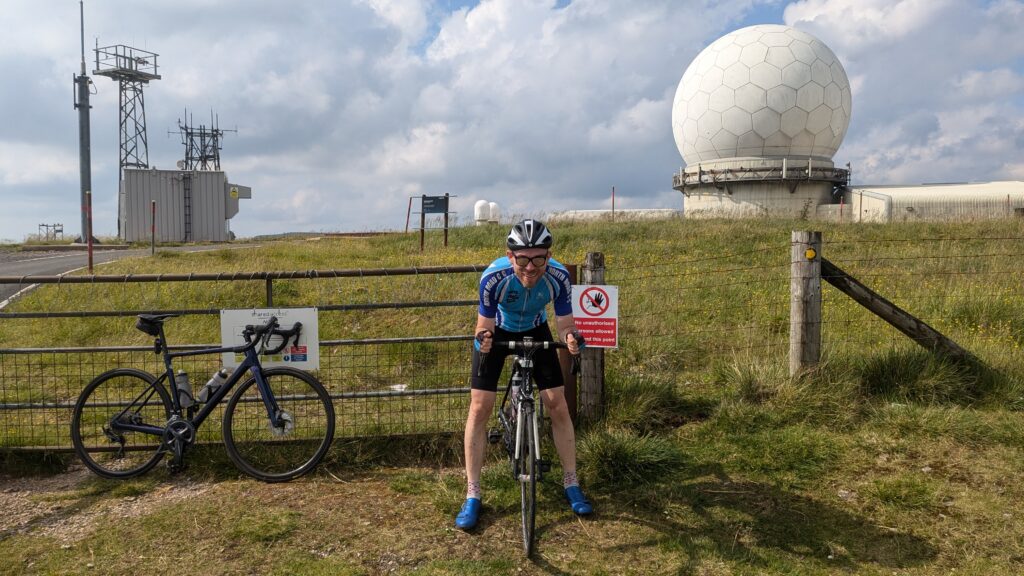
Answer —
(493, 436)
(544, 465)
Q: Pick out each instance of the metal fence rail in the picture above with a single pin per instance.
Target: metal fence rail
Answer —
(381, 386)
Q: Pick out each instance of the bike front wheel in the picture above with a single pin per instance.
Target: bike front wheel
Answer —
(292, 443)
(118, 398)
(528, 467)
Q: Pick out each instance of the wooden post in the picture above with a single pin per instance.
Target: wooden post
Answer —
(270, 292)
(592, 365)
(423, 222)
(445, 219)
(898, 318)
(152, 229)
(804, 301)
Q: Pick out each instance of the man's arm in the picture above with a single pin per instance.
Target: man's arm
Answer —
(566, 326)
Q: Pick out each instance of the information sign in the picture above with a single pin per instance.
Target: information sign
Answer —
(304, 354)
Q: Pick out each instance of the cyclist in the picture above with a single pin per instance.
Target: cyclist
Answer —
(514, 291)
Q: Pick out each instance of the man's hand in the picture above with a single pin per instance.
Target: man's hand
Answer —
(572, 342)
(484, 337)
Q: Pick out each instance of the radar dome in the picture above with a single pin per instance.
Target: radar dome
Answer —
(763, 91)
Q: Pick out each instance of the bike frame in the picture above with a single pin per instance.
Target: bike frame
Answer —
(526, 398)
(250, 363)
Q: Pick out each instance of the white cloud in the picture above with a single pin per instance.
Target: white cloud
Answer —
(988, 84)
(861, 24)
(408, 16)
(26, 164)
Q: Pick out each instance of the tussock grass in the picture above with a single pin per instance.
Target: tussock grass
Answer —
(623, 458)
(645, 405)
(918, 376)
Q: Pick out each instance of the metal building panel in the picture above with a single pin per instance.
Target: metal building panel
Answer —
(209, 211)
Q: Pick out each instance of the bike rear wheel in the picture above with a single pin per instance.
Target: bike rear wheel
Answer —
(283, 450)
(527, 467)
(128, 396)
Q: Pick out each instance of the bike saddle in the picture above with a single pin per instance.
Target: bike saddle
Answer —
(151, 323)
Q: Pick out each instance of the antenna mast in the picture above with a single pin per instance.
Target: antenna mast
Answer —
(81, 102)
(202, 144)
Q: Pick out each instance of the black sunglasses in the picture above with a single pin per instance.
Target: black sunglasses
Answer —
(538, 261)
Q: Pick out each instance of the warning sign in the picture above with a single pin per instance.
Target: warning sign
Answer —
(596, 309)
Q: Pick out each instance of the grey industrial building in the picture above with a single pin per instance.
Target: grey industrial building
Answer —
(191, 205)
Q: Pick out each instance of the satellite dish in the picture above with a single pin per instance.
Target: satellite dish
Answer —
(181, 164)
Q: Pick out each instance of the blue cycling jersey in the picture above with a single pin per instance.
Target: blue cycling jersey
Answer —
(516, 308)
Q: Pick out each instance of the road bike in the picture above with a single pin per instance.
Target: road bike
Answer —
(277, 426)
(520, 418)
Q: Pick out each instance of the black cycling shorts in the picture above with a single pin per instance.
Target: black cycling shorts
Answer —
(547, 371)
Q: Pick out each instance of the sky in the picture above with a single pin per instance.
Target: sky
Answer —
(346, 108)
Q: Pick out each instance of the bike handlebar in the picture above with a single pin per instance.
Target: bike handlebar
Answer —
(531, 346)
(267, 331)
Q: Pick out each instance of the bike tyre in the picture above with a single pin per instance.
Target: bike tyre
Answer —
(90, 441)
(528, 469)
(247, 444)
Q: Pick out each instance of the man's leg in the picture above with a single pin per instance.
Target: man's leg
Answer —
(481, 403)
(565, 444)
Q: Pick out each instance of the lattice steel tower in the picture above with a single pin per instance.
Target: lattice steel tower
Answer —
(133, 69)
(202, 144)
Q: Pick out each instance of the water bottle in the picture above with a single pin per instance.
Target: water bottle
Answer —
(184, 389)
(212, 385)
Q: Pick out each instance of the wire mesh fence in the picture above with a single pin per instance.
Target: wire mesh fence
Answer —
(395, 353)
(701, 307)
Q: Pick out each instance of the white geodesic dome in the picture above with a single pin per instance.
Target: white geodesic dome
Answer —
(763, 91)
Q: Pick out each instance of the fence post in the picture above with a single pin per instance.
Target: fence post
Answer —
(804, 301)
(270, 292)
(592, 364)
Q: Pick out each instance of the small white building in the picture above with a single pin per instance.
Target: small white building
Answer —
(961, 201)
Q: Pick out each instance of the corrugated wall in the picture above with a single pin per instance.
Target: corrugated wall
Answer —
(167, 187)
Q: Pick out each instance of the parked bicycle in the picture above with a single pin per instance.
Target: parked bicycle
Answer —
(277, 425)
(520, 417)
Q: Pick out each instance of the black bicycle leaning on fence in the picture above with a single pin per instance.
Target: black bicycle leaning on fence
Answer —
(520, 417)
(277, 425)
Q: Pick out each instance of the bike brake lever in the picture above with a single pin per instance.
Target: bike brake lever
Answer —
(480, 366)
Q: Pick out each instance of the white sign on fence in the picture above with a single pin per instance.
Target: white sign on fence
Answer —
(596, 310)
(305, 354)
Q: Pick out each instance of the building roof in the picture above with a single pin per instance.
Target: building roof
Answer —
(971, 190)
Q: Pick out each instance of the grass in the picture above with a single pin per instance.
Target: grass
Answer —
(710, 459)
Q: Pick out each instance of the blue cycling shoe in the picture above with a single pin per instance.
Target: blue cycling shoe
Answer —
(579, 503)
(469, 514)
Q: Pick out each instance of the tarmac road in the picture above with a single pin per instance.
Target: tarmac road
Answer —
(15, 263)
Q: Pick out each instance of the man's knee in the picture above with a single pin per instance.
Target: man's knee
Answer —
(556, 406)
(480, 408)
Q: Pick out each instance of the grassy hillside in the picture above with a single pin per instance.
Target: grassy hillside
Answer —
(710, 459)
